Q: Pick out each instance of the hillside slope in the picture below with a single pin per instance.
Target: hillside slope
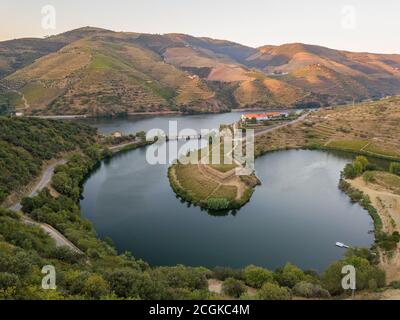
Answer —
(100, 72)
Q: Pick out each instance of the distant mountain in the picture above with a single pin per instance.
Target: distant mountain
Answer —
(101, 72)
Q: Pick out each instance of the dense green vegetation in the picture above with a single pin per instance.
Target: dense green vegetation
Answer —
(26, 143)
(289, 281)
(100, 272)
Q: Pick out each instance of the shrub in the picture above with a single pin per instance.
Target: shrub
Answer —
(289, 275)
(65, 254)
(332, 277)
(8, 280)
(218, 204)
(234, 288)
(129, 283)
(349, 172)
(95, 286)
(310, 290)
(256, 276)
(271, 291)
(368, 176)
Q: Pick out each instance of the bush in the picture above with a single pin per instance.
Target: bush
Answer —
(289, 275)
(310, 290)
(8, 280)
(349, 172)
(256, 276)
(65, 254)
(234, 288)
(332, 277)
(368, 176)
(95, 287)
(218, 204)
(271, 291)
(129, 283)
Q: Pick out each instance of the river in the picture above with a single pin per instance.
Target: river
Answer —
(296, 215)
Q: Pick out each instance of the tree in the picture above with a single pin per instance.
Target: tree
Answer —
(349, 171)
(95, 286)
(289, 275)
(256, 276)
(106, 153)
(129, 283)
(358, 167)
(363, 161)
(271, 291)
(332, 277)
(8, 280)
(234, 288)
(310, 290)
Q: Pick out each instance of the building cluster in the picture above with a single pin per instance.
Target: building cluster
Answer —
(264, 116)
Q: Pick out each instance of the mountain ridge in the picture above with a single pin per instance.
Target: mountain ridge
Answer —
(103, 72)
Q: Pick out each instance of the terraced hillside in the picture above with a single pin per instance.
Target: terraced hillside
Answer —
(100, 72)
(368, 128)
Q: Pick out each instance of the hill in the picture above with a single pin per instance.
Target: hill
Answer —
(25, 144)
(102, 72)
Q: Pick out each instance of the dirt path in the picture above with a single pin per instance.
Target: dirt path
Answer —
(388, 207)
(25, 102)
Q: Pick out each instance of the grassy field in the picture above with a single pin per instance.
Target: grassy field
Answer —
(367, 128)
(350, 145)
(195, 184)
(372, 148)
(226, 162)
(226, 192)
(387, 180)
(202, 187)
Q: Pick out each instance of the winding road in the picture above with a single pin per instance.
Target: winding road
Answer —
(59, 238)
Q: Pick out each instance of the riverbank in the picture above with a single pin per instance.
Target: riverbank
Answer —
(206, 187)
(387, 205)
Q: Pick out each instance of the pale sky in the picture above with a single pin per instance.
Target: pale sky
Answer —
(357, 25)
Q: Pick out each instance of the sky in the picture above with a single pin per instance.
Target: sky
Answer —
(356, 25)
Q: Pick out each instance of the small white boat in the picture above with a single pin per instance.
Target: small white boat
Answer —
(341, 245)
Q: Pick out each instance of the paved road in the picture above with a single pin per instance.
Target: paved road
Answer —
(59, 238)
(47, 175)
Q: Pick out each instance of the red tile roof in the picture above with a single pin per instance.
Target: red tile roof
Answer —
(262, 115)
